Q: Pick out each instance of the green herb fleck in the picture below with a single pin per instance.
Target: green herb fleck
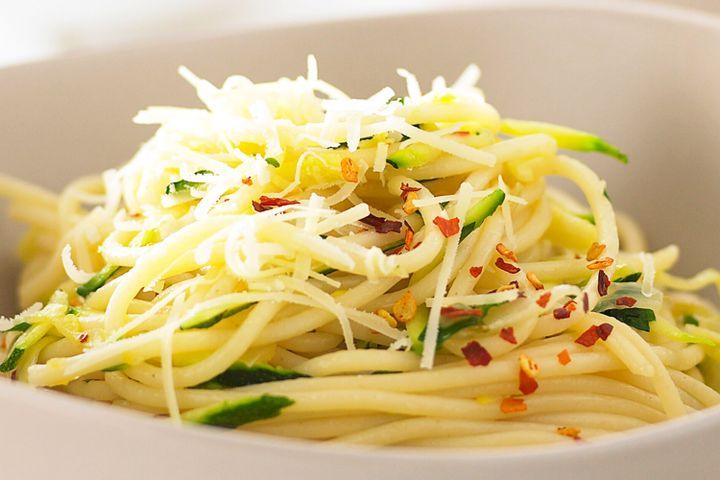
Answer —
(211, 317)
(273, 162)
(447, 330)
(116, 368)
(633, 277)
(20, 327)
(233, 413)
(183, 185)
(690, 320)
(638, 318)
(588, 217)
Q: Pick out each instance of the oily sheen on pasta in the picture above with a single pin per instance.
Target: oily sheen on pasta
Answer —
(391, 270)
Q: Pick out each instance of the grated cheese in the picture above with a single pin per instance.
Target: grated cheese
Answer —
(74, 273)
(648, 273)
(433, 324)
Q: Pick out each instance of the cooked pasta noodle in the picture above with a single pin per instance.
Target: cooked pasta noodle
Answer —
(381, 271)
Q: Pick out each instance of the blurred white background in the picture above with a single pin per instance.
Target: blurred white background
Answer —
(36, 29)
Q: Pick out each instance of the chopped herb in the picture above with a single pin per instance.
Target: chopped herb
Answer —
(240, 375)
(588, 217)
(12, 360)
(28, 338)
(635, 317)
(605, 194)
(233, 413)
(413, 156)
(209, 318)
(462, 318)
(97, 281)
(633, 277)
(72, 311)
(345, 144)
(20, 327)
(272, 162)
(116, 368)
(184, 185)
(477, 214)
(690, 320)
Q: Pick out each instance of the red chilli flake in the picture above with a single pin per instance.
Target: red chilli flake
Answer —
(585, 302)
(382, 225)
(544, 299)
(83, 337)
(513, 405)
(455, 312)
(527, 384)
(603, 283)
(571, 432)
(570, 305)
(604, 330)
(268, 203)
(448, 227)
(508, 334)
(625, 301)
(475, 354)
(476, 271)
(506, 267)
(405, 189)
(409, 235)
(564, 357)
(596, 332)
(561, 313)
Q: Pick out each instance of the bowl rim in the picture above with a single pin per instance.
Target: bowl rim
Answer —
(648, 436)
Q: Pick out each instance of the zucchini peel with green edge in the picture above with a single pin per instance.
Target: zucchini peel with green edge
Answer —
(241, 374)
(20, 327)
(416, 328)
(477, 214)
(234, 413)
(28, 338)
(475, 217)
(97, 281)
(212, 316)
(567, 138)
(413, 156)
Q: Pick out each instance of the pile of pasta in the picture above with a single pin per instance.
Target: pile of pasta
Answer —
(391, 270)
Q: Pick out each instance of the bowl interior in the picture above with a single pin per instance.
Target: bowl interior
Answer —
(643, 77)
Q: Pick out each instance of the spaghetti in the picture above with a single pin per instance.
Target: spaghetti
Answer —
(380, 271)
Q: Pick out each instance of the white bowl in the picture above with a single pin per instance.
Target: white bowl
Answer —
(643, 76)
